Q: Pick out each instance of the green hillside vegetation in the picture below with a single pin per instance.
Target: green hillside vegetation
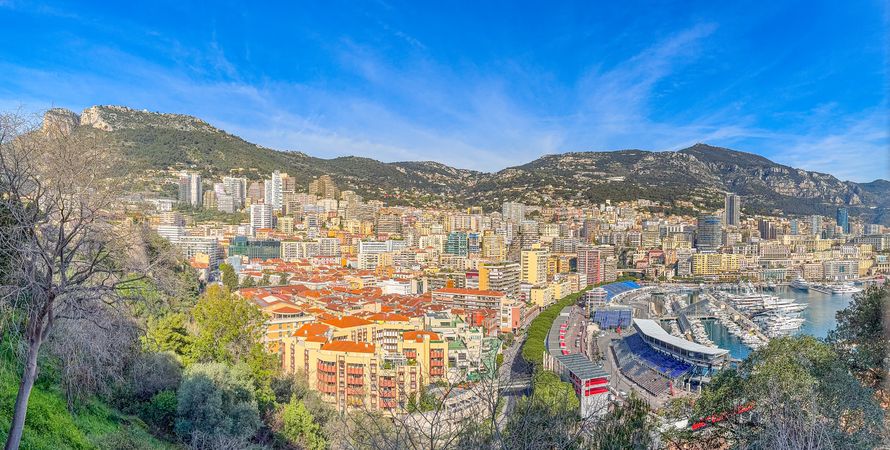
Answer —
(50, 425)
(152, 143)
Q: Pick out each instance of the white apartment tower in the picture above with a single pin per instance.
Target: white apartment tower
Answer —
(274, 188)
(260, 217)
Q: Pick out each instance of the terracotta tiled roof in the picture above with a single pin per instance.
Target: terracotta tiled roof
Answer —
(311, 329)
(349, 346)
(345, 322)
(388, 317)
(419, 335)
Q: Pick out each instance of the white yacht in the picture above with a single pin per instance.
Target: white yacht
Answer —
(836, 288)
(800, 284)
(819, 287)
(844, 288)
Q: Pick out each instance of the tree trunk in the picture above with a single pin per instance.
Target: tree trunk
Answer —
(21, 401)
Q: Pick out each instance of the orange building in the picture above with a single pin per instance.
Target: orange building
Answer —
(340, 359)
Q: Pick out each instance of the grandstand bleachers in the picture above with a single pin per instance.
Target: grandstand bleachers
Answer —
(666, 365)
(612, 318)
(641, 374)
(614, 289)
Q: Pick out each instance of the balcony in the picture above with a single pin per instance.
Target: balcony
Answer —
(355, 391)
(326, 388)
(437, 353)
(387, 383)
(388, 404)
(356, 381)
(327, 367)
(438, 362)
(437, 372)
(359, 370)
(389, 393)
(326, 377)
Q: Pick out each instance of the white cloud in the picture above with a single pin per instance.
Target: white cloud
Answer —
(423, 110)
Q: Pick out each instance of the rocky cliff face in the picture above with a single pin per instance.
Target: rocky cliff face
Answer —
(112, 118)
(699, 174)
(60, 119)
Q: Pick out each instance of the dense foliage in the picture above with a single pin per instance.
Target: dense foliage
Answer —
(217, 400)
(299, 427)
(536, 335)
(862, 336)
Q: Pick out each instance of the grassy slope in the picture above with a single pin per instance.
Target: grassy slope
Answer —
(49, 424)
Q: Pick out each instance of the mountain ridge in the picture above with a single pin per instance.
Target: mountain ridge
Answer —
(699, 174)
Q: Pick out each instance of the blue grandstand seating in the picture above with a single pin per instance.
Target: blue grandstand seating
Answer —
(640, 373)
(612, 318)
(670, 367)
(614, 289)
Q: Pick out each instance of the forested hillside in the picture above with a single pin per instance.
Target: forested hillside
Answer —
(699, 174)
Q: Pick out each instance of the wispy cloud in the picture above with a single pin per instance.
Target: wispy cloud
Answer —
(421, 109)
(857, 148)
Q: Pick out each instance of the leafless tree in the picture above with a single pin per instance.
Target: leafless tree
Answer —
(70, 253)
(93, 358)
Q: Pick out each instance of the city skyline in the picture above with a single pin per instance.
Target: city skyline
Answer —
(383, 84)
(497, 225)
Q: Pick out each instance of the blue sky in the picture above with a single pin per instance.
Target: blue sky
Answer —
(480, 85)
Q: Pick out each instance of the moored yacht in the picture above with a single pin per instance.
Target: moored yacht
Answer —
(800, 284)
(844, 288)
(836, 288)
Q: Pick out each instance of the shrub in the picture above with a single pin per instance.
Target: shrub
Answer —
(160, 411)
(298, 426)
(216, 400)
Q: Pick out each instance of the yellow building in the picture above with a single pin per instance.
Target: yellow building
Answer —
(707, 264)
(534, 265)
(501, 277)
(352, 373)
(541, 295)
(493, 247)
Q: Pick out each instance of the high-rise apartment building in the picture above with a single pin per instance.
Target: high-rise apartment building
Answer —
(501, 277)
(260, 217)
(237, 188)
(732, 209)
(388, 223)
(457, 243)
(324, 187)
(493, 247)
(274, 190)
(709, 233)
(513, 211)
(529, 233)
(191, 190)
(767, 229)
(209, 200)
(843, 220)
(590, 263)
(534, 265)
(815, 225)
